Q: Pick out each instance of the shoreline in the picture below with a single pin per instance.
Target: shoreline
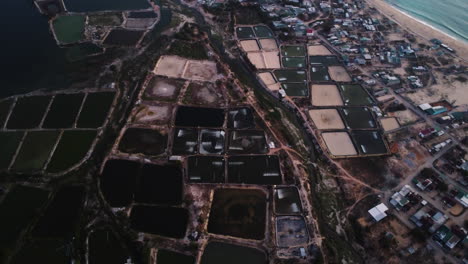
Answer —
(419, 28)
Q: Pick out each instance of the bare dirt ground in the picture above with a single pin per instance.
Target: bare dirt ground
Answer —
(163, 88)
(326, 119)
(389, 123)
(249, 45)
(339, 74)
(268, 44)
(318, 50)
(326, 95)
(405, 116)
(153, 114)
(339, 143)
(170, 66)
(206, 94)
(267, 78)
(448, 88)
(200, 71)
(272, 60)
(256, 59)
(385, 98)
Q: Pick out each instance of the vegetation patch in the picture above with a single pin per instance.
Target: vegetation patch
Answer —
(191, 50)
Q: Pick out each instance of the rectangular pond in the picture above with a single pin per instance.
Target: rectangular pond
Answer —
(104, 5)
(163, 221)
(206, 169)
(291, 76)
(185, 141)
(158, 184)
(9, 142)
(319, 73)
(240, 118)
(296, 89)
(35, 151)
(212, 141)
(358, 117)
(145, 141)
(354, 94)
(254, 169)
(218, 252)
(247, 142)
(95, 109)
(369, 142)
(293, 51)
(28, 112)
(199, 117)
(63, 111)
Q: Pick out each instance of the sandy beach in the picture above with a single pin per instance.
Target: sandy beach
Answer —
(419, 28)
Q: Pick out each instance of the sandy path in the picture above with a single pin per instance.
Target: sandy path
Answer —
(419, 28)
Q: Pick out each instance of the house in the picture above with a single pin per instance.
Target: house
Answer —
(399, 199)
(378, 212)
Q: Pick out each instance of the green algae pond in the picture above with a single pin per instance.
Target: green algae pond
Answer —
(291, 76)
(9, 142)
(369, 142)
(293, 62)
(319, 73)
(263, 32)
(69, 29)
(35, 151)
(18, 209)
(71, 149)
(358, 117)
(63, 111)
(218, 252)
(296, 89)
(245, 33)
(28, 112)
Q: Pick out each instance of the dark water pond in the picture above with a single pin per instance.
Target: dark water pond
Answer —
(217, 252)
(199, 117)
(163, 221)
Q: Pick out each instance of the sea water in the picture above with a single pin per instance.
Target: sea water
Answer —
(449, 16)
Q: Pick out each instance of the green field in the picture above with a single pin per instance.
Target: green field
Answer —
(63, 111)
(28, 112)
(95, 109)
(71, 149)
(293, 51)
(9, 142)
(293, 62)
(245, 32)
(296, 89)
(69, 29)
(4, 110)
(35, 151)
(263, 32)
(17, 210)
(354, 94)
(290, 76)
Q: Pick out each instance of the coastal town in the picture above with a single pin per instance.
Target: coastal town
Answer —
(275, 131)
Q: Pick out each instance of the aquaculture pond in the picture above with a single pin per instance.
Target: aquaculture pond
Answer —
(18, 209)
(141, 140)
(55, 251)
(35, 151)
(104, 5)
(247, 142)
(218, 252)
(293, 51)
(240, 118)
(263, 32)
(71, 149)
(293, 62)
(123, 37)
(245, 32)
(9, 142)
(163, 221)
(199, 117)
(95, 109)
(319, 73)
(358, 117)
(254, 169)
(118, 182)
(105, 247)
(325, 60)
(206, 169)
(369, 142)
(158, 184)
(185, 141)
(28, 112)
(62, 214)
(69, 28)
(287, 201)
(212, 141)
(296, 89)
(238, 213)
(291, 76)
(4, 111)
(354, 94)
(63, 111)
(171, 257)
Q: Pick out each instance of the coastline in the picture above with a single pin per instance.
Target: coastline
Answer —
(419, 28)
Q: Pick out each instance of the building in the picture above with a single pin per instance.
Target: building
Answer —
(378, 212)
